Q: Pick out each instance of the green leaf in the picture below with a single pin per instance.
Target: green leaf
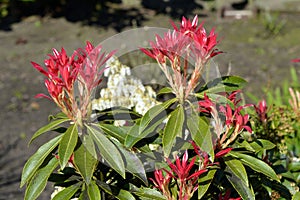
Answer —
(237, 168)
(107, 150)
(93, 191)
(148, 193)
(67, 145)
(67, 193)
(173, 128)
(240, 186)
(154, 112)
(133, 163)
(165, 90)
(296, 196)
(36, 160)
(117, 192)
(200, 132)
(52, 125)
(223, 84)
(114, 131)
(84, 158)
(148, 123)
(261, 145)
(204, 182)
(39, 181)
(255, 164)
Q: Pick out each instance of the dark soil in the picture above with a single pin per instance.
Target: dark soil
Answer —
(259, 56)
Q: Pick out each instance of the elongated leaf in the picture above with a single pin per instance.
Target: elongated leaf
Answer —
(147, 193)
(117, 192)
(117, 132)
(173, 128)
(153, 112)
(133, 163)
(204, 182)
(93, 191)
(36, 160)
(67, 193)
(67, 145)
(52, 125)
(108, 151)
(201, 134)
(255, 164)
(237, 168)
(39, 181)
(165, 90)
(239, 185)
(260, 145)
(85, 160)
(223, 84)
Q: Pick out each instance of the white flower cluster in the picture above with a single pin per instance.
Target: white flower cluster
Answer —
(124, 90)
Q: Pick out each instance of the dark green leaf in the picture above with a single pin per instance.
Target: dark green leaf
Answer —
(84, 158)
(153, 112)
(107, 150)
(165, 90)
(173, 128)
(133, 163)
(115, 131)
(39, 181)
(93, 191)
(255, 164)
(223, 84)
(204, 182)
(67, 193)
(261, 144)
(52, 125)
(117, 192)
(201, 134)
(237, 168)
(67, 145)
(36, 160)
(240, 186)
(147, 193)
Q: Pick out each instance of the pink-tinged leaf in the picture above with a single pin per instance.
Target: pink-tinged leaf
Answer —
(223, 152)
(295, 60)
(41, 95)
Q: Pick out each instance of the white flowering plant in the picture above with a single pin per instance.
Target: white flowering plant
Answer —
(125, 144)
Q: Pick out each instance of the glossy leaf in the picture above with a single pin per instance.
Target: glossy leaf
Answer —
(67, 193)
(154, 112)
(37, 159)
(114, 131)
(261, 145)
(165, 90)
(173, 128)
(133, 163)
(223, 84)
(204, 182)
(237, 168)
(39, 181)
(147, 193)
(93, 191)
(107, 150)
(240, 186)
(67, 145)
(201, 134)
(117, 192)
(85, 160)
(52, 125)
(255, 164)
